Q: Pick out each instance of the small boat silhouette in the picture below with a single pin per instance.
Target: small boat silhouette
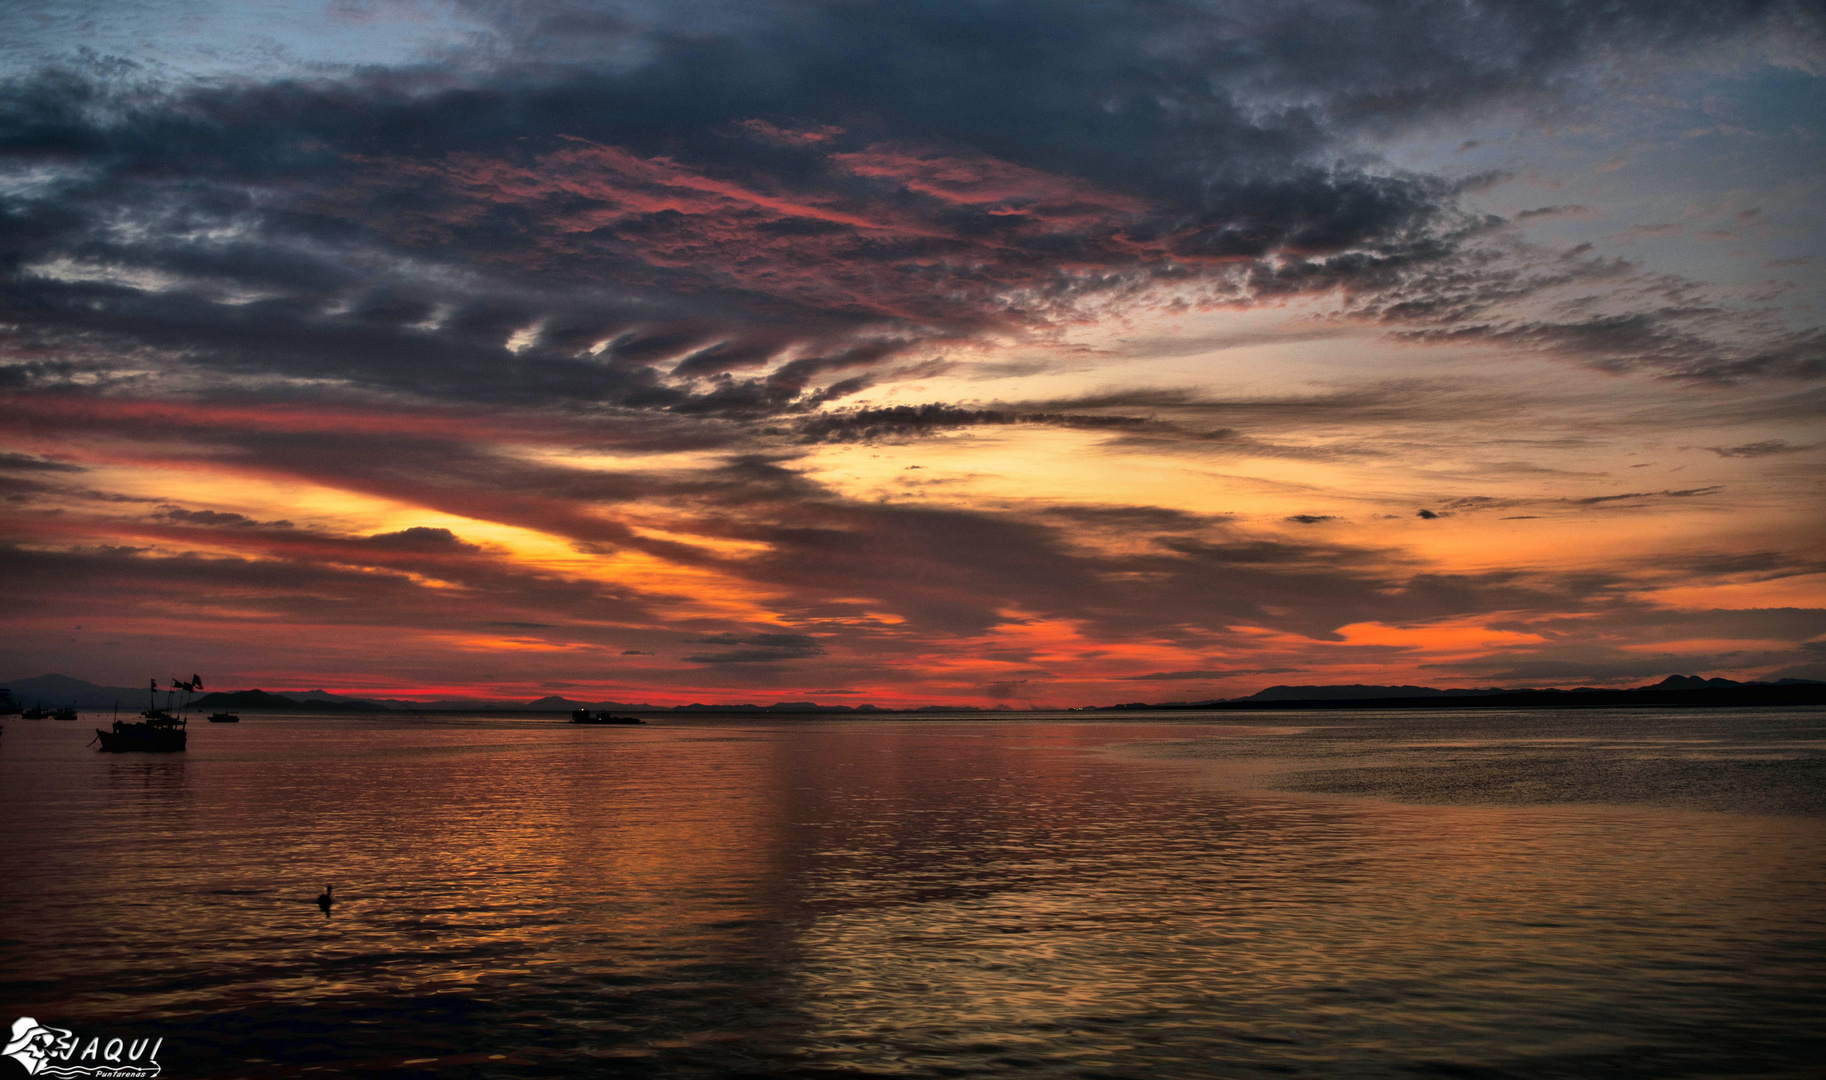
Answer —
(157, 730)
(224, 718)
(584, 716)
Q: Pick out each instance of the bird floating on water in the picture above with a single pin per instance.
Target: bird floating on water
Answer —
(325, 900)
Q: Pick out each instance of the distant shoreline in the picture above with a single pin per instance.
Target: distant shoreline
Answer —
(1707, 697)
(1678, 691)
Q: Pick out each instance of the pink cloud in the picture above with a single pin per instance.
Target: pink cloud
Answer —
(877, 231)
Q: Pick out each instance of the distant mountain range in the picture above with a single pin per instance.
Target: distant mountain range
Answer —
(1673, 690)
(1316, 693)
(63, 690)
(55, 690)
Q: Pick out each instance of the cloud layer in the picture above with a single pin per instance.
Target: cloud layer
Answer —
(651, 336)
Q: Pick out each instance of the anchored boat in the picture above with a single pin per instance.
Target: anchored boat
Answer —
(157, 730)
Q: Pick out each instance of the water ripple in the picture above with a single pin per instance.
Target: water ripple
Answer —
(1518, 895)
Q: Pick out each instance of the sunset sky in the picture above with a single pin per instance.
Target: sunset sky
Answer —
(1030, 353)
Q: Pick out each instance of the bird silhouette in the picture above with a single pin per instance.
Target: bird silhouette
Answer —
(325, 900)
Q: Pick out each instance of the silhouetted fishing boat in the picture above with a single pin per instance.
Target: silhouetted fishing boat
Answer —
(157, 731)
(36, 712)
(68, 712)
(585, 716)
(224, 718)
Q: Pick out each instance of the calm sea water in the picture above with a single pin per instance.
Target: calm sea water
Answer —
(1443, 894)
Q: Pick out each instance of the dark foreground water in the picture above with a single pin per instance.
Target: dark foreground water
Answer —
(1437, 894)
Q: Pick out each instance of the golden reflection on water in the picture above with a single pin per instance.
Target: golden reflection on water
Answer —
(901, 897)
(1302, 932)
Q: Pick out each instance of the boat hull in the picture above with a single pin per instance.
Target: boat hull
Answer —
(137, 738)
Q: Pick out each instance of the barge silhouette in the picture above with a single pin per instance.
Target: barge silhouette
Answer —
(585, 716)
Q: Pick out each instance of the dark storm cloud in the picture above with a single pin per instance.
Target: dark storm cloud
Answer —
(1386, 401)
(205, 517)
(765, 649)
(860, 425)
(1588, 662)
(1582, 647)
(440, 472)
(1568, 210)
(304, 582)
(1213, 673)
(215, 518)
(421, 538)
(27, 463)
(1760, 565)
(1124, 571)
(1767, 624)
(1178, 419)
(1083, 81)
(1646, 623)
(1765, 448)
(1147, 520)
(1686, 342)
(822, 187)
(1636, 496)
(1121, 572)
(1480, 502)
(693, 227)
(956, 571)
